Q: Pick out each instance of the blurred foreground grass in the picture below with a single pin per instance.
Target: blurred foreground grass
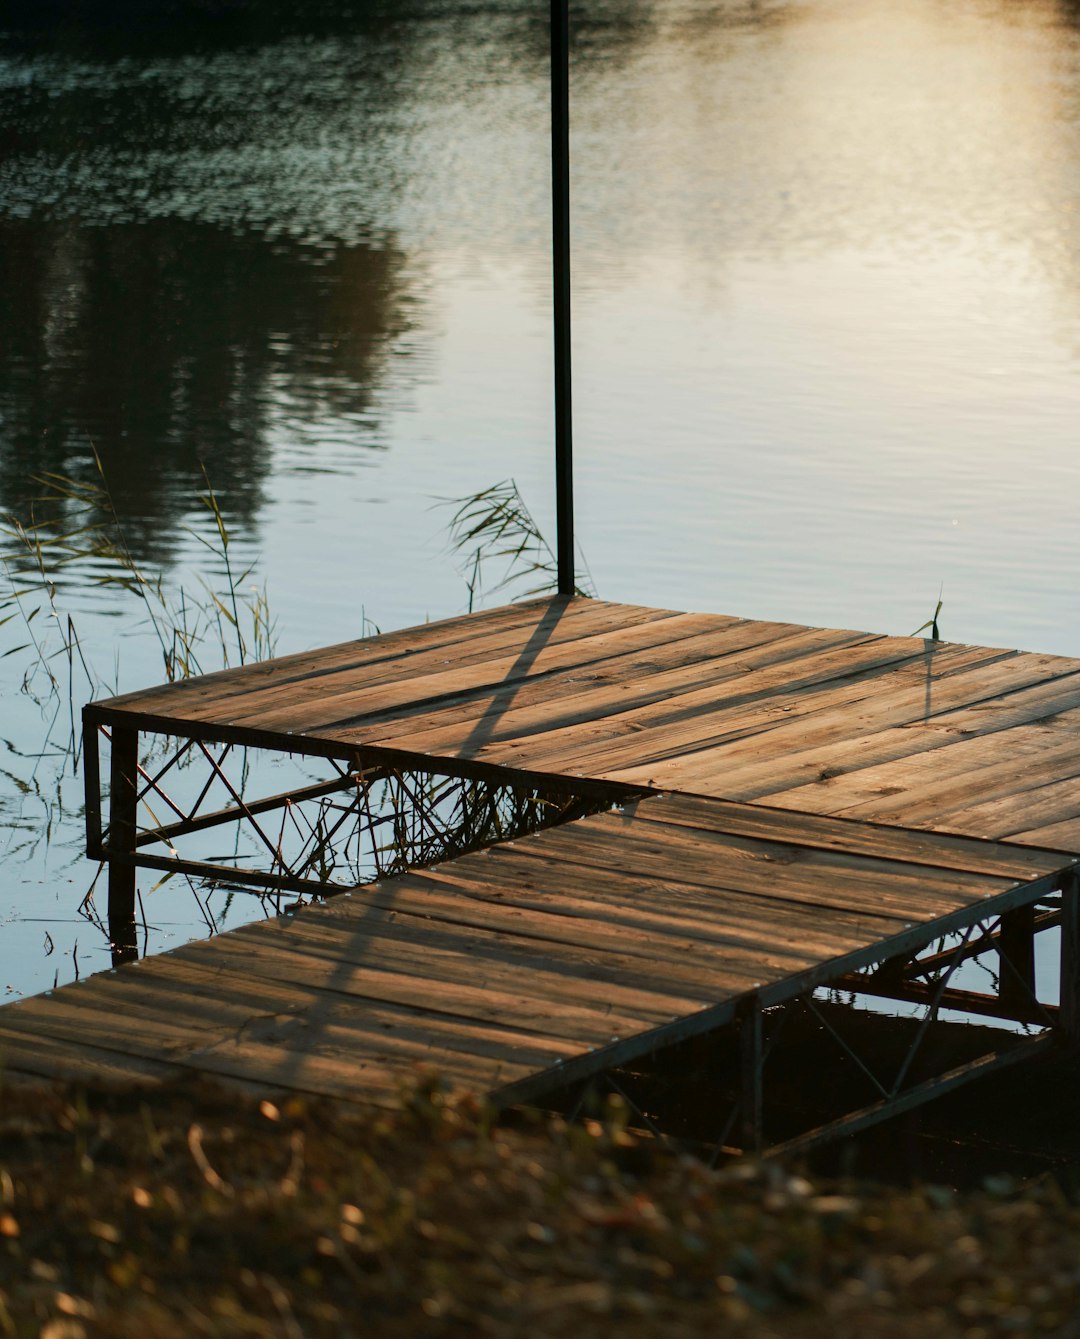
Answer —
(200, 1211)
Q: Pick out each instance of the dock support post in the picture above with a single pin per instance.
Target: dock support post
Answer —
(123, 794)
(1016, 957)
(752, 1061)
(1069, 1001)
(92, 788)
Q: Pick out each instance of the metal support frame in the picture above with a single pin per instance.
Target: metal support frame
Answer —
(1010, 936)
(921, 974)
(365, 821)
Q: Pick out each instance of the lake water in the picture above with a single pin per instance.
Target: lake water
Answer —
(826, 330)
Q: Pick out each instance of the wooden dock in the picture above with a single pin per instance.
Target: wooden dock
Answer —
(947, 738)
(796, 808)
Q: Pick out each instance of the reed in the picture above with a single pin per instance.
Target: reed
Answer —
(495, 529)
(932, 621)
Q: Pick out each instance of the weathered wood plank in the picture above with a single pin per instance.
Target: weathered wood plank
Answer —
(340, 700)
(572, 636)
(893, 790)
(966, 774)
(263, 688)
(1063, 836)
(743, 642)
(976, 856)
(315, 980)
(361, 652)
(622, 685)
(770, 760)
(745, 698)
(749, 934)
(373, 1032)
(169, 997)
(43, 1057)
(575, 974)
(783, 871)
(453, 955)
(1055, 801)
(767, 714)
(349, 1078)
(670, 955)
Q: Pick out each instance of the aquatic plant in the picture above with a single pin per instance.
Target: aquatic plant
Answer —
(932, 621)
(495, 528)
(224, 623)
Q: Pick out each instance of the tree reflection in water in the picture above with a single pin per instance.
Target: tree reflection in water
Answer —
(169, 345)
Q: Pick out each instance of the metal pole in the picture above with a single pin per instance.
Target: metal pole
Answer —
(560, 251)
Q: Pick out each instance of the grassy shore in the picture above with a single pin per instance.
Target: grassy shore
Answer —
(198, 1211)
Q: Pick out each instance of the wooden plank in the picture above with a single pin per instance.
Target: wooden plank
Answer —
(345, 700)
(45, 1058)
(1063, 836)
(960, 778)
(261, 691)
(743, 697)
(750, 932)
(79, 1016)
(411, 983)
(769, 761)
(484, 660)
(671, 957)
(711, 908)
(944, 851)
(684, 962)
(617, 686)
(539, 983)
(595, 731)
(372, 1032)
(783, 871)
(470, 1055)
(1049, 700)
(1039, 806)
(360, 651)
(352, 1079)
(534, 968)
(777, 896)
(168, 996)
(895, 790)
(632, 672)
(772, 710)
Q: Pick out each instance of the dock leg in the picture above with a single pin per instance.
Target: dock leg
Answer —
(1016, 953)
(1069, 1011)
(123, 791)
(752, 1061)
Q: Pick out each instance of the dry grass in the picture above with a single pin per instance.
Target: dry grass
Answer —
(199, 1212)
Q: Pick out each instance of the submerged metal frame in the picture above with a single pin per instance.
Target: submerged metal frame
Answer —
(1005, 924)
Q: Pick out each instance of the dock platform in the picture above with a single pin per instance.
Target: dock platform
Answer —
(748, 813)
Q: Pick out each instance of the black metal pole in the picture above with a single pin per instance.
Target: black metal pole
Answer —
(560, 251)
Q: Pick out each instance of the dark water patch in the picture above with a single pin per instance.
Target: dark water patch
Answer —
(169, 346)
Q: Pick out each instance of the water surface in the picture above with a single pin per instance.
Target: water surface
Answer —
(827, 327)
